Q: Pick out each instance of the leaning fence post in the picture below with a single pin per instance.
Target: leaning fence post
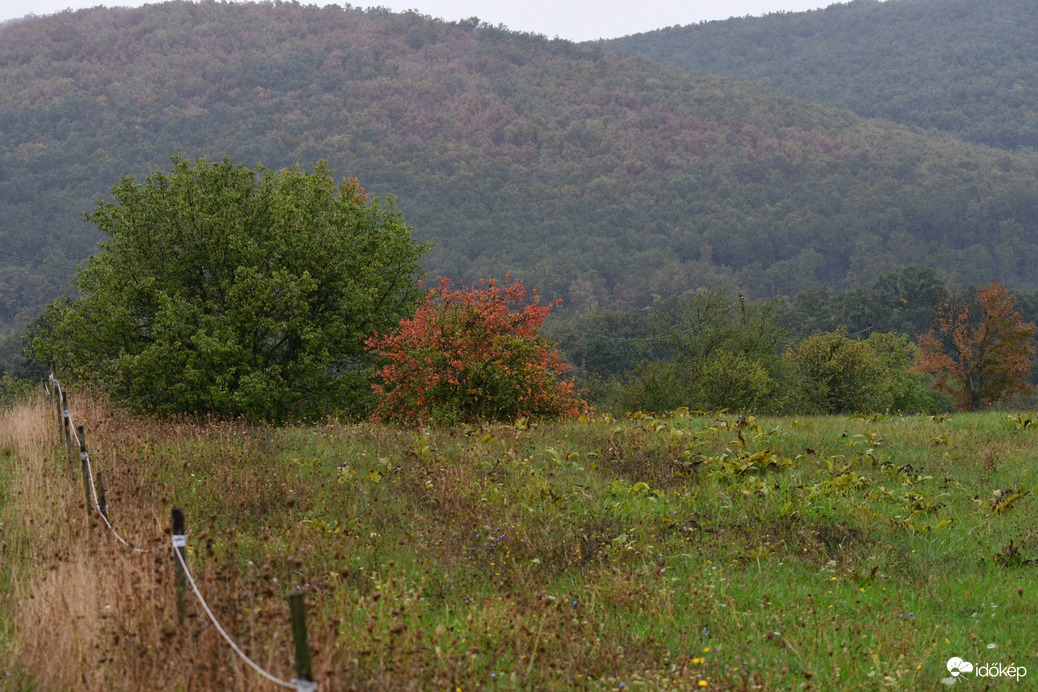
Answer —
(303, 662)
(179, 559)
(86, 469)
(68, 434)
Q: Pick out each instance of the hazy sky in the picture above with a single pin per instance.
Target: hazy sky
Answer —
(578, 20)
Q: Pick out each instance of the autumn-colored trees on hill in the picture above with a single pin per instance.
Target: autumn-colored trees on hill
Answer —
(953, 65)
(578, 170)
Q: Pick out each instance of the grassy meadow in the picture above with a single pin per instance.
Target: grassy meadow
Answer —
(679, 552)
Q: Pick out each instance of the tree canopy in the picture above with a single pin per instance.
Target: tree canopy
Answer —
(980, 348)
(962, 66)
(605, 180)
(235, 291)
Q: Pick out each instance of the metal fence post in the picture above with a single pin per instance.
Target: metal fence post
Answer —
(180, 559)
(86, 472)
(303, 660)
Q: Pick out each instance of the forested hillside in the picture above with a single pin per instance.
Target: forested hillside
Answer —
(963, 66)
(607, 180)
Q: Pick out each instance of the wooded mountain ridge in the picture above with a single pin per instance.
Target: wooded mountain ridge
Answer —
(607, 180)
(963, 66)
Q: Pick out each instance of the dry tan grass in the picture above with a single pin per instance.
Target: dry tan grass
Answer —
(50, 596)
(88, 613)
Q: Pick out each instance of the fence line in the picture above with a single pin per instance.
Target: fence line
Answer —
(179, 541)
(295, 684)
(85, 458)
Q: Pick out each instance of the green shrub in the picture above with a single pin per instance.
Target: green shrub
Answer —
(654, 388)
(734, 381)
(909, 390)
(836, 374)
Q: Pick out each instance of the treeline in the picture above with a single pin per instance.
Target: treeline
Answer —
(609, 181)
(962, 66)
(822, 352)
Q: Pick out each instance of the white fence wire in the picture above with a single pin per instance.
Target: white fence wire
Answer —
(295, 684)
(179, 541)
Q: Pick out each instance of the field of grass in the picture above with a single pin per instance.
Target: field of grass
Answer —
(661, 553)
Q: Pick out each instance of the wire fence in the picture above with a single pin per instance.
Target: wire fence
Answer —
(294, 684)
(73, 437)
(84, 457)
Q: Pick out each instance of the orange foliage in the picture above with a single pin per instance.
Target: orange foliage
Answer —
(469, 355)
(981, 350)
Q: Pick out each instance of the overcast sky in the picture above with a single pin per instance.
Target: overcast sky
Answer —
(578, 20)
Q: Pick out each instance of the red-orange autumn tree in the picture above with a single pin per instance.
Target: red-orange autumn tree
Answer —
(472, 354)
(981, 349)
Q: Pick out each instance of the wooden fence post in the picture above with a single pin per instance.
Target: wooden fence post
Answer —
(57, 404)
(180, 546)
(303, 661)
(86, 470)
(68, 434)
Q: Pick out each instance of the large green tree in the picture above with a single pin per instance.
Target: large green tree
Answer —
(236, 291)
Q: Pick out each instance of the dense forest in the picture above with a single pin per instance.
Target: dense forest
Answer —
(963, 66)
(607, 180)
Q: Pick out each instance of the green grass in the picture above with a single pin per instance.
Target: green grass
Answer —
(666, 553)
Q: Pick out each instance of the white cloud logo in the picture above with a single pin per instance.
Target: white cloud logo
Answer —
(957, 666)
